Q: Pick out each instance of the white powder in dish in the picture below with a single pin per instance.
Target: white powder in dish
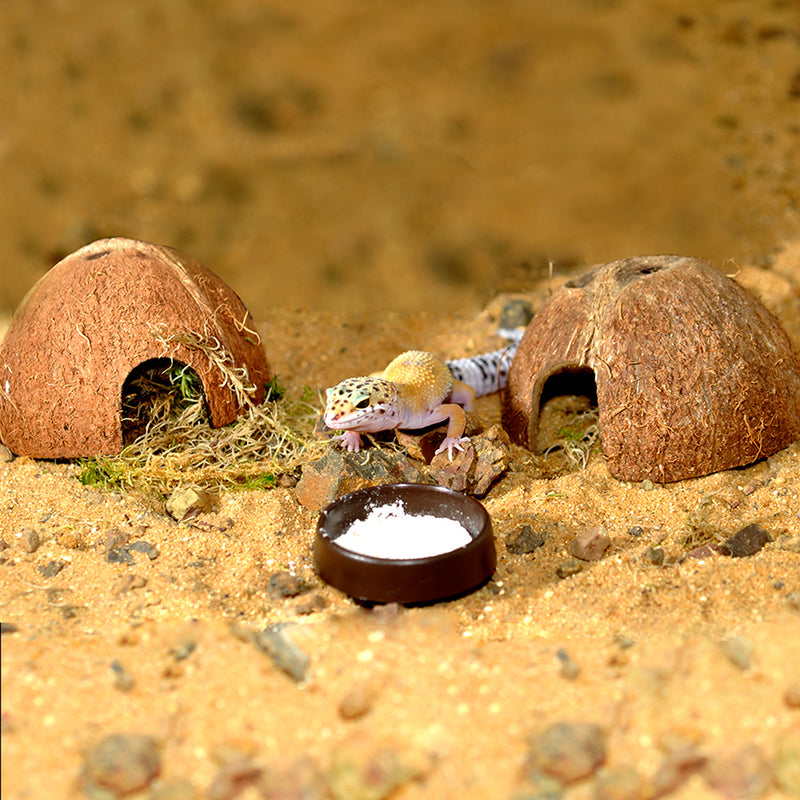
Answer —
(388, 532)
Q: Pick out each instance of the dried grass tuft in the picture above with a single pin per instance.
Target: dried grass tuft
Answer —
(169, 441)
(577, 440)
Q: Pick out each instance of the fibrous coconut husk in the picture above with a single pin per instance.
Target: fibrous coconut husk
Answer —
(101, 313)
(693, 374)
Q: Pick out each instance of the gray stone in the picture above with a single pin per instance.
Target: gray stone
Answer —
(568, 751)
(745, 542)
(523, 541)
(277, 643)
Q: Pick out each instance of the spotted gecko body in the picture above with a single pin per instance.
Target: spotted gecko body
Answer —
(416, 390)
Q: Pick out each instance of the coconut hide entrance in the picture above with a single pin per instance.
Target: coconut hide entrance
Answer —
(693, 374)
(95, 317)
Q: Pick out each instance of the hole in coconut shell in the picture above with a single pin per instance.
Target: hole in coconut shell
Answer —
(565, 410)
(157, 391)
(95, 256)
(633, 270)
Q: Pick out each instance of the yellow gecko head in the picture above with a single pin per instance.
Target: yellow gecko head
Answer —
(362, 404)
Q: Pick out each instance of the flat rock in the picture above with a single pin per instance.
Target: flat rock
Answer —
(745, 542)
(338, 472)
(120, 764)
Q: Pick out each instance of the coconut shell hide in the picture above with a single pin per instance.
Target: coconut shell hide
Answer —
(693, 374)
(96, 316)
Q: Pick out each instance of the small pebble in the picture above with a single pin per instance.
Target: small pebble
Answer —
(746, 542)
(567, 667)
(6, 456)
(524, 541)
(568, 568)
(69, 611)
(590, 545)
(183, 650)
(637, 531)
(703, 552)
(8, 627)
(121, 764)
(276, 642)
(141, 546)
(50, 569)
(114, 538)
(283, 584)
(129, 582)
(357, 702)
(568, 751)
(122, 680)
(654, 556)
(743, 773)
(311, 605)
(184, 504)
(739, 651)
(29, 540)
(120, 555)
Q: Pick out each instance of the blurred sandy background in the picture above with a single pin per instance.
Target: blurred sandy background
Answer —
(365, 154)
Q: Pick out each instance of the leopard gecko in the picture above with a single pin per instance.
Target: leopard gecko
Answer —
(416, 390)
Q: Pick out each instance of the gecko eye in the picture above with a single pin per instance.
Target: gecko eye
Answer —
(362, 403)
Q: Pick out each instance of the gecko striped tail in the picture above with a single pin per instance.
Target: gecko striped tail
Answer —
(487, 373)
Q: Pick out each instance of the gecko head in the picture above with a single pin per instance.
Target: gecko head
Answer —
(361, 404)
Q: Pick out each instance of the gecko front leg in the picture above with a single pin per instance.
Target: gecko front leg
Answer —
(454, 440)
(350, 440)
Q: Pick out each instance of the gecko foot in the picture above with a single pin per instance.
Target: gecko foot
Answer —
(351, 440)
(451, 443)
